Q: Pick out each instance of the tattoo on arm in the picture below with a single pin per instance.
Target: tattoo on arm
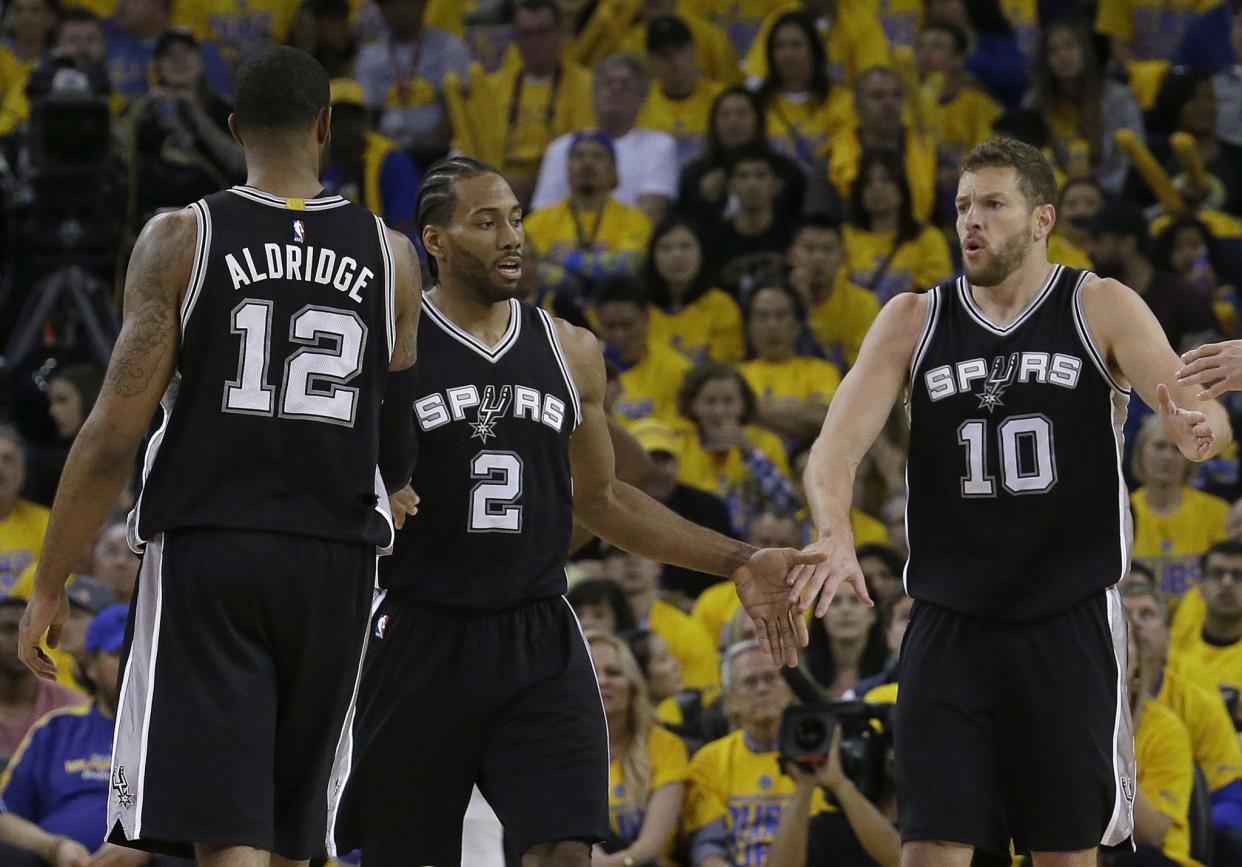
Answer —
(152, 298)
(737, 558)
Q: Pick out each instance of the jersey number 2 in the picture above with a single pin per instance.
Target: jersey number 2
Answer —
(493, 500)
(1035, 475)
(314, 383)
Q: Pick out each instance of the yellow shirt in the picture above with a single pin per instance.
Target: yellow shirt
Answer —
(714, 609)
(719, 472)
(1221, 665)
(741, 20)
(101, 8)
(746, 789)
(900, 20)
(684, 119)
(1062, 252)
(1212, 736)
(1166, 774)
(716, 54)
(650, 387)
(709, 327)
(21, 542)
(840, 321)
(1154, 28)
(961, 122)
(669, 764)
(854, 38)
(800, 129)
(845, 153)
(800, 378)
(915, 266)
(1189, 614)
(867, 530)
(239, 27)
(540, 115)
(1172, 545)
(12, 70)
(690, 644)
(618, 233)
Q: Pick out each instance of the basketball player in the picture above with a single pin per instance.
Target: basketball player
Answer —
(1012, 712)
(477, 669)
(266, 317)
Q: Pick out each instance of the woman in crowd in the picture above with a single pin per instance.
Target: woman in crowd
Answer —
(802, 108)
(887, 251)
(793, 391)
(1187, 248)
(1082, 107)
(601, 606)
(1187, 103)
(686, 312)
(847, 645)
(71, 392)
(649, 769)
(725, 452)
(737, 121)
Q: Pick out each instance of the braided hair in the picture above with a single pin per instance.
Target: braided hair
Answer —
(437, 197)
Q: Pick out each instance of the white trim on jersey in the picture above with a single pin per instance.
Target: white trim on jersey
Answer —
(323, 203)
(343, 759)
(136, 542)
(602, 708)
(1088, 341)
(562, 362)
(1121, 824)
(381, 506)
(390, 286)
(963, 288)
(202, 247)
(127, 783)
(929, 329)
(491, 353)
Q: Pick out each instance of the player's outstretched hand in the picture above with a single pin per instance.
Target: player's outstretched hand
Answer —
(403, 504)
(1188, 429)
(1215, 367)
(761, 587)
(837, 564)
(43, 615)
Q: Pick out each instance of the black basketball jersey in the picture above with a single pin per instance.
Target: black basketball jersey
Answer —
(287, 329)
(1017, 507)
(493, 427)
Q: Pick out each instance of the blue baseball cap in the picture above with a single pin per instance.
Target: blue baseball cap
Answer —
(107, 630)
(599, 137)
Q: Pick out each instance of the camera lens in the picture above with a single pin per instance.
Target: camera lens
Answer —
(810, 733)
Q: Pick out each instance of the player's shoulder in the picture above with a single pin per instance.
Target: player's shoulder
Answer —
(171, 229)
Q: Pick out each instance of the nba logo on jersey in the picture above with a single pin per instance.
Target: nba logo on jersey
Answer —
(299, 231)
(381, 626)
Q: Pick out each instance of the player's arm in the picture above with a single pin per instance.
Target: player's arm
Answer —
(102, 456)
(1133, 342)
(855, 419)
(629, 519)
(397, 443)
(1214, 368)
(634, 466)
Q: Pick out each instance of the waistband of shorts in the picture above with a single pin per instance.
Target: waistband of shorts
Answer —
(407, 598)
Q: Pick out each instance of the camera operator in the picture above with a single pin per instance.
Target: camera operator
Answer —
(860, 833)
(181, 146)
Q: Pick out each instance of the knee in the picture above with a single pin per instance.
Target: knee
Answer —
(561, 853)
(935, 853)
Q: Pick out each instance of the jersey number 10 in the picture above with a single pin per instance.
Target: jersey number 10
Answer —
(313, 386)
(1028, 462)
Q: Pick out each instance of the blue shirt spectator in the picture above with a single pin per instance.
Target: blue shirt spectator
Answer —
(132, 37)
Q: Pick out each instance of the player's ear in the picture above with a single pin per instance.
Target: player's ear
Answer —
(235, 130)
(1045, 219)
(323, 124)
(433, 241)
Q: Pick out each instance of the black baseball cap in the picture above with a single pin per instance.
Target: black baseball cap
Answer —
(668, 32)
(173, 35)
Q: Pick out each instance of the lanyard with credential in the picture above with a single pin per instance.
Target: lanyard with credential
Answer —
(586, 242)
(549, 110)
(406, 75)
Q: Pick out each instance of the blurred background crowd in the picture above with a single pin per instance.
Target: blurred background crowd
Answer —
(726, 192)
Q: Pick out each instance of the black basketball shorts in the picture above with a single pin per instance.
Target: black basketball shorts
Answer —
(507, 699)
(1016, 729)
(241, 660)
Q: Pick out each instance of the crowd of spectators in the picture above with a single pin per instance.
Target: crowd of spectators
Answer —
(726, 192)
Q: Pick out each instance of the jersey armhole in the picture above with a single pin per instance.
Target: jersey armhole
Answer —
(934, 303)
(1088, 341)
(390, 286)
(550, 327)
(202, 246)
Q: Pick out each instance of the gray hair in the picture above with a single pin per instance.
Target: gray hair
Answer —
(627, 59)
(730, 659)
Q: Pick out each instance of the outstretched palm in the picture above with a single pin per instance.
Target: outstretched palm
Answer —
(764, 593)
(1188, 429)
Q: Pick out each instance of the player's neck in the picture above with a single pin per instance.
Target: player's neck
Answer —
(286, 182)
(1164, 498)
(486, 320)
(1220, 628)
(642, 602)
(1005, 301)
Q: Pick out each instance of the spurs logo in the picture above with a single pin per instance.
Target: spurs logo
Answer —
(491, 409)
(1003, 372)
(121, 786)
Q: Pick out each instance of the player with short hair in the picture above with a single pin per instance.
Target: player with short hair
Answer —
(264, 320)
(1012, 712)
(477, 670)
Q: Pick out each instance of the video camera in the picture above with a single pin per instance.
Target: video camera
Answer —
(866, 735)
